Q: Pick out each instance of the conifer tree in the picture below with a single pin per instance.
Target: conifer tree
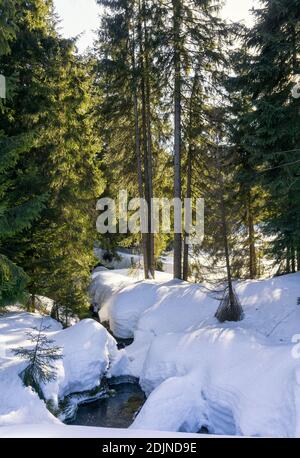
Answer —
(17, 211)
(54, 101)
(135, 129)
(40, 359)
(271, 127)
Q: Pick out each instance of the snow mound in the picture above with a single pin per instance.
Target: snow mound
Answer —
(89, 353)
(107, 283)
(228, 380)
(270, 306)
(235, 378)
(125, 308)
(18, 404)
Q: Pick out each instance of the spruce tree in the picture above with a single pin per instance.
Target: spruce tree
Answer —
(40, 358)
(54, 101)
(17, 210)
(271, 127)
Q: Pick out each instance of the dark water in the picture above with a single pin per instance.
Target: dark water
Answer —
(115, 411)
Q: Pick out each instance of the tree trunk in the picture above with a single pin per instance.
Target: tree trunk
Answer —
(138, 150)
(288, 259)
(186, 235)
(224, 229)
(230, 308)
(189, 174)
(298, 259)
(226, 247)
(293, 258)
(31, 303)
(177, 130)
(149, 147)
(251, 234)
(145, 139)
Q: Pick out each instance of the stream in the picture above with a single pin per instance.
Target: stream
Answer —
(116, 410)
(118, 407)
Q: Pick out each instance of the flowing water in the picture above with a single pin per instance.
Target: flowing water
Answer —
(116, 410)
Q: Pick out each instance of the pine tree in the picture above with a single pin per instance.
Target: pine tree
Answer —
(189, 46)
(40, 358)
(222, 218)
(54, 100)
(148, 52)
(8, 27)
(135, 129)
(271, 135)
(17, 211)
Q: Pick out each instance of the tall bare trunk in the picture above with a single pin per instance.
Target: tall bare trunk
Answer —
(31, 304)
(144, 136)
(189, 173)
(293, 257)
(177, 129)
(138, 148)
(251, 235)
(288, 259)
(224, 229)
(186, 235)
(226, 248)
(149, 146)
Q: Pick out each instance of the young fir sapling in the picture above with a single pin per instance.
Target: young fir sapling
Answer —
(40, 358)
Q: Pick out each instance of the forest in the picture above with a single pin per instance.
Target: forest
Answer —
(170, 102)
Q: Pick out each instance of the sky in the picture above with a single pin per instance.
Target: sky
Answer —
(82, 17)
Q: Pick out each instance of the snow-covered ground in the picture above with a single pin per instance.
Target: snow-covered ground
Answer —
(106, 282)
(235, 378)
(201, 261)
(57, 431)
(89, 352)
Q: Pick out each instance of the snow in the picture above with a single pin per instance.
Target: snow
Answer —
(63, 431)
(173, 306)
(89, 352)
(18, 404)
(235, 378)
(106, 283)
(225, 379)
(124, 260)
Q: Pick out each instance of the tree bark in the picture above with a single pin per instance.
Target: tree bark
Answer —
(251, 235)
(138, 148)
(288, 259)
(293, 258)
(298, 259)
(186, 235)
(224, 229)
(189, 174)
(149, 146)
(145, 137)
(177, 129)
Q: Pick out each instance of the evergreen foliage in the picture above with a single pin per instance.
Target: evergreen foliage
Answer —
(54, 179)
(40, 358)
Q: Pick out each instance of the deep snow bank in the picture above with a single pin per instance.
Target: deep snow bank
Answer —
(89, 353)
(172, 306)
(236, 378)
(106, 283)
(226, 379)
